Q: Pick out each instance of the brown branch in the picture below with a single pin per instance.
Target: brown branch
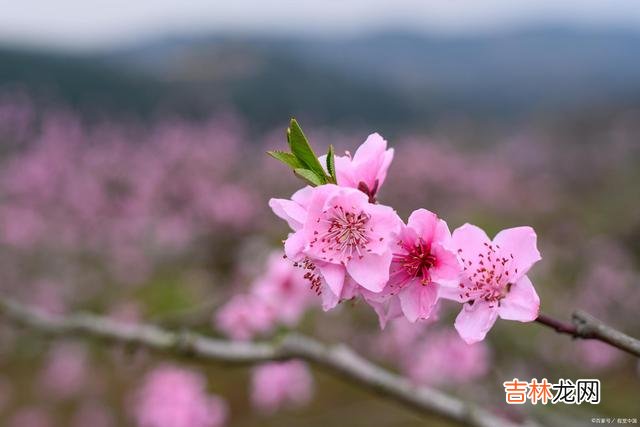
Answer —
(559, 326)
(585, 326)
(338, 360)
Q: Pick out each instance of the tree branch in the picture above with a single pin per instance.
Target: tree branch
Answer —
(338, 360)
(586, 326)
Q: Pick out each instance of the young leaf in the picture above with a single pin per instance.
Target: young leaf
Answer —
(286, 158)
(302, 150)
(331, 165)
(310, 176)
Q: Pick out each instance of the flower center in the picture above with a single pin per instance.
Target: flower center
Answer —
(417, 261)
(490, 276)
(346, 234)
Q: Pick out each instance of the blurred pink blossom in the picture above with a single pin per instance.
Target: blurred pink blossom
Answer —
(443, 358)
(66, 369)
(94, 414)
(49, 296)
(30, 416)
(283, 287)
(90, 190)
(175, 397)
(595, 355)
(279, 385)
(244, 316)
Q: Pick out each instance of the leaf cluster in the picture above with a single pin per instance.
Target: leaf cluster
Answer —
(303, 160)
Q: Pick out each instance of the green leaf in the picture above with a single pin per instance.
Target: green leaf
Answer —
(302, 150)
(331, 165)
(310, 176)
(286, 158)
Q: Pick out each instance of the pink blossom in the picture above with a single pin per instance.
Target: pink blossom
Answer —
(422, 263)
(441, 357)
(338, 234)
(397, 341)
(30, 416)
(494, 281)
(94, 414)
(283, 287)
(367, 169)
(245, 316)
(65, 372)
(594, 355)
(174, 397)
(48, 296)
(281, 384)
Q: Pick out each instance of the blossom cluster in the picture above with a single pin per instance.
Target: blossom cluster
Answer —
(278, 297)
(173, 396)
(351, 246)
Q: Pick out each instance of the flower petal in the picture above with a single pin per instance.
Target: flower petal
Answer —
(470, 239)
(290, 211)
(424, 223)
(386, 310)
(333, 274)
(446, 271)
(417, 301)
(521, 243)
(303, 195)
(294, 245)
(521, 303)
(329, 299)
(371, 161)
(371, 271)
(344, 172)
(371, 149)
(384, 222)
(475, 320)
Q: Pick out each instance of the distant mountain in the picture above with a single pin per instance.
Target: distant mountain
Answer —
(84, 83)
(393, 79)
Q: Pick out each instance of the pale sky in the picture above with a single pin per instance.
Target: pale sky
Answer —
(88, 24)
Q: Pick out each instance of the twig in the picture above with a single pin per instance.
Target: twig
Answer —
(338, 360)
(586, 326)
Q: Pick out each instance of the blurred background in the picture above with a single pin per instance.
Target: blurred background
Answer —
(134, 184)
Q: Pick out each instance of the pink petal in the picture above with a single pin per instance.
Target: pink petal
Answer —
(371, 149)
(369, 160)
(471, 239)
(371, 271)
(386, 310)
(424, 223)
(290, 211)
(294, 245)
(417, 301)
(344, 172)
(521, 303)
(521, 243)
(384, 221)
(447, 270)
(384, 167)
(474, 321)
(303, 196)
(329, 299)
(451, 293)
(333, 274)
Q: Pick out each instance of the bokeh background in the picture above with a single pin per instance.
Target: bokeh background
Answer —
(133, 183)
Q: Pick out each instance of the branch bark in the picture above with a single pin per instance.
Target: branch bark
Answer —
(586, 326)
(338, 360)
